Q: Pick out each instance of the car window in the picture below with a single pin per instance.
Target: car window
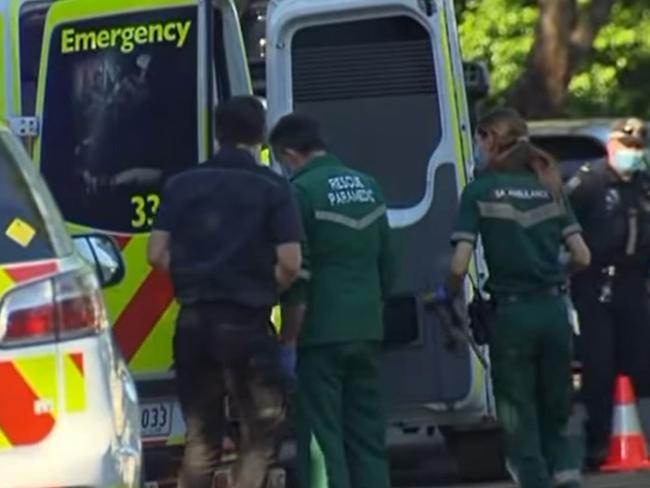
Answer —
(571, 151)
(24, 234)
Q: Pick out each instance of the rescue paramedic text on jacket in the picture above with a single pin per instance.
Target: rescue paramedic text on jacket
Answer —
(228, 231)
(518, 209)
(612, 203)
(348, 270)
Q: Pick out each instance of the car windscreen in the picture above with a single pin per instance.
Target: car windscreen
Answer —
(571, 151)
(119, 115)
(24, 235)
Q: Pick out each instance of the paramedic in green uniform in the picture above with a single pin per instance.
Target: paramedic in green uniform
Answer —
(518, 209)
(334, 314)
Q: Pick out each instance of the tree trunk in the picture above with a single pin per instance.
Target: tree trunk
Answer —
(564, 38)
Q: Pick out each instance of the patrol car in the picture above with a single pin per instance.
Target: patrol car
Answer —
(68, 405)
(573, 142)
(112, 97)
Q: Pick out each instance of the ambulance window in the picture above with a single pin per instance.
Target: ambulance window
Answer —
(20, 216)
(32, 24)
(372, 84)
(120, 115)
(219, 55)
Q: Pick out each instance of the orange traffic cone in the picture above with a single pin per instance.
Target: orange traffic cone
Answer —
(627, 445)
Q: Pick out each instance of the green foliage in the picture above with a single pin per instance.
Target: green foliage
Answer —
(499, 32)
(612, 82)
(615, 81)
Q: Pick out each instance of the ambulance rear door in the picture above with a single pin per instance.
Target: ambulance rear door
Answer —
(385, 79)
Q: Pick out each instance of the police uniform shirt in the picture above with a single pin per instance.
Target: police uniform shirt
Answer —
(226, 218)
(614, 214)
(521, 227)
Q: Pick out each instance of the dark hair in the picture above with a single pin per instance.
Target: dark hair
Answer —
(298, 132)
(240, 120)
(516, 152)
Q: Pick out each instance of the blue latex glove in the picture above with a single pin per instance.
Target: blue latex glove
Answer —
(288, 360)
(441, 294)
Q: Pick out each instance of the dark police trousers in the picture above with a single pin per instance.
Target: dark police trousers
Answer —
(214, 356)
(613, 340)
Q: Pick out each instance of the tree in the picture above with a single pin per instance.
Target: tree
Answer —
(564, 39)
(562, 57)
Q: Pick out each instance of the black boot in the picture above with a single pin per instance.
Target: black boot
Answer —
(596, 456)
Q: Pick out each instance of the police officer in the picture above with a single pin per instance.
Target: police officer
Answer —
(348, 271)
(518, 209)
(612, 203)
(228, 232)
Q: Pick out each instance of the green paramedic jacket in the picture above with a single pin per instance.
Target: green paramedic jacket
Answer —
(522, 228)
(348, 263)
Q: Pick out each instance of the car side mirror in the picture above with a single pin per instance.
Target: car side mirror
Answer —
(101, 252)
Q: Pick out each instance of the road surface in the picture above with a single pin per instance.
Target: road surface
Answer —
(632, 480)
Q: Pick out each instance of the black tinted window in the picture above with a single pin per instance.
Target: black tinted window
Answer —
(372, 84)
(23, 235)
(32, 23)
(120, 115)
(571, 151)
(219, 56)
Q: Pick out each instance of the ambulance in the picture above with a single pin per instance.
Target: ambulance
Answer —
(113, 97)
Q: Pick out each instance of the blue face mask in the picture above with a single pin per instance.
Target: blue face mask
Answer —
(481, 158)
(628, 160)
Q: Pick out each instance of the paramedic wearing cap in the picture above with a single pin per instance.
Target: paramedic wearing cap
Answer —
(228, 231)
(612, 203)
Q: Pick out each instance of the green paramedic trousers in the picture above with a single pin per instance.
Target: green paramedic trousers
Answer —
(531, 356)
(340, 423)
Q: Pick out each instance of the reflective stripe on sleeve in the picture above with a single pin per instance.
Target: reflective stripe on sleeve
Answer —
(463, 236)
(569, 230)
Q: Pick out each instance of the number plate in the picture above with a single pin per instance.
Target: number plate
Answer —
(156, 418)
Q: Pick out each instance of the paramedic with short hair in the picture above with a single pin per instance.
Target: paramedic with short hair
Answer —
(349, 272)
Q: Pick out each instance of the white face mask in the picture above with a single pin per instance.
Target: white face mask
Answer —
(628, 160)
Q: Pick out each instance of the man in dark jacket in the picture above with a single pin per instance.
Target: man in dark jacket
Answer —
(228, 232)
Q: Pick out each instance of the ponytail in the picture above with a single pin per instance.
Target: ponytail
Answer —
(517, 153)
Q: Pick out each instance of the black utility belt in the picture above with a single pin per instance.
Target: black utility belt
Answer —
(510, 298)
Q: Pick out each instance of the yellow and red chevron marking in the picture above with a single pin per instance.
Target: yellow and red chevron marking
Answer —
(142, 306)
(12, 275)
(143, 309)
(28, 400)
(75, 382)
